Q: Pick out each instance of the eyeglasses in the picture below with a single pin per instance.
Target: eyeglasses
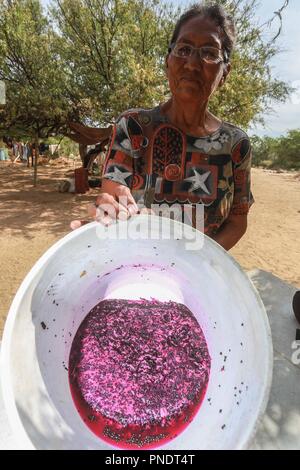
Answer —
(210, 55)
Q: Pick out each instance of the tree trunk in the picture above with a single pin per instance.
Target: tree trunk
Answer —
(82, 152)
(36, 159)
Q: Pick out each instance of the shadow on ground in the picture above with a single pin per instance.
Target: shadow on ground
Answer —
(279, 428)
(25, 209)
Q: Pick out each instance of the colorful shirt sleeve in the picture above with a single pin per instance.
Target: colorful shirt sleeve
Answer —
(125, 148)
(118, 166)
(241, 161)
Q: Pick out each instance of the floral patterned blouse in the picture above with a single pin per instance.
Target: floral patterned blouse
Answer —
(152, 157)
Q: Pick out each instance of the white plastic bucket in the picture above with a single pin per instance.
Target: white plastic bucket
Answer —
(82, 269)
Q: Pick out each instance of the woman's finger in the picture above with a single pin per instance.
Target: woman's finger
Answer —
(91, 209)
(78, 223)
(107, 205)
(106, 220)
(126, 199)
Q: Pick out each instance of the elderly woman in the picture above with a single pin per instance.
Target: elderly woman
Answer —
(179, 152)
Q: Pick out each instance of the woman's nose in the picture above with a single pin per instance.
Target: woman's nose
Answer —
(193, 62)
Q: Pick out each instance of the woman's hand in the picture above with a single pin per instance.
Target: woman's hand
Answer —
(231, 231)
(114, 202)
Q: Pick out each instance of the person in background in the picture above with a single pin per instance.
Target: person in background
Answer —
(3, 151)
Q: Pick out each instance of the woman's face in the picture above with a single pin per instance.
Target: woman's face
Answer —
(191, 79)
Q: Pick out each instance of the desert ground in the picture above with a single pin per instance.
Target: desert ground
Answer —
(32, 219)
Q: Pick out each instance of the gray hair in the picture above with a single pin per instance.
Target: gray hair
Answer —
(216, 13)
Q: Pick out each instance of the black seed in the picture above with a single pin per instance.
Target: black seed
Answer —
(43, 325)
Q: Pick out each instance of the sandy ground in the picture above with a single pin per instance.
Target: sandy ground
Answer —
(32, 219)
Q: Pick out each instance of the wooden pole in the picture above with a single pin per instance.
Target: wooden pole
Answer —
(36, 158)
(82, 152)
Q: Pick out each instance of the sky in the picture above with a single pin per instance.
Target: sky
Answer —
(285, 66)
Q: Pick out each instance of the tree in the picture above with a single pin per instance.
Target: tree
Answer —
(251, 89)
(264, 150)
(280, 152)
(289, 149)
(116, 50)
(32, 71)
(95, 58)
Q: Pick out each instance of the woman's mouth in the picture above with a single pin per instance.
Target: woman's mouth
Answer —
(188, 79)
